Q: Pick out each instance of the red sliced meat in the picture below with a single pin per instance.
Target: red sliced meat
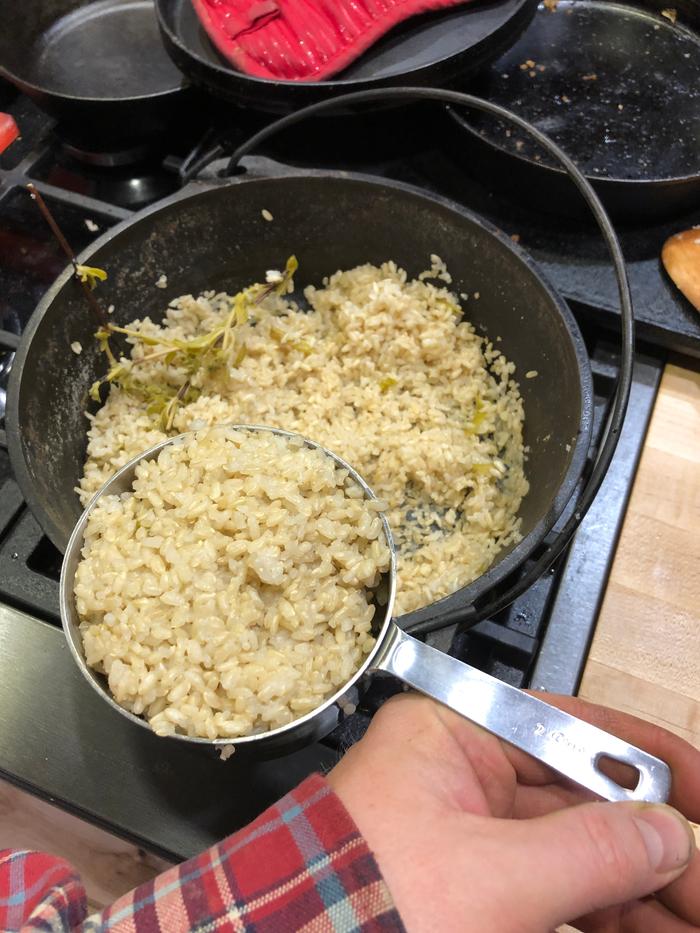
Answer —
(302, 40)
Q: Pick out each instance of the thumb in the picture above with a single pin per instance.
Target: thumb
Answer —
(584, 858)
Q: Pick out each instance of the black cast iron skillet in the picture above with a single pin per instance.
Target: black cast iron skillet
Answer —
(97, 66)
(433, 49)
(617, 86)
(214, 236)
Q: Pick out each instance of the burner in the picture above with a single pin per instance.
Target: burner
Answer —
(130, 178)
(111, 158)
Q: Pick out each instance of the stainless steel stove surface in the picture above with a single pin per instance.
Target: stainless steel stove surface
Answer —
(57, 738)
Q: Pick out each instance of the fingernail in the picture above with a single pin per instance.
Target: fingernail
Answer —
(667, 836)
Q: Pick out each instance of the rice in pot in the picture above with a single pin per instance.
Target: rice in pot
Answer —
(231, 591)
(379, 369)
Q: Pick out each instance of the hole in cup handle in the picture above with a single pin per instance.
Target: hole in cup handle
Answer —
(630, 778)
(622, 773)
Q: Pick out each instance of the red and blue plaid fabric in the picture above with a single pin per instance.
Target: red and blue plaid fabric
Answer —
(301, 865)
(41, 887)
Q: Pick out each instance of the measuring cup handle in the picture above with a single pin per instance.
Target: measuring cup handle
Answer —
(568, 745)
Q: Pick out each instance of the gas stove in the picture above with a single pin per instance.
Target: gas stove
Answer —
(57, 739)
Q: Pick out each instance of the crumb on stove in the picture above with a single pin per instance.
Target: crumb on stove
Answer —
(162, 281)
(568, 447)
(533, 73)
(110, 309)
(515, 237)
(226, 751)
(266, 214)
(77, 347)
(505, 76)
(519, 144)
(620, 107)
(671, 14)
(346, 707)
(657, 26)
(538, 158)
(590, 77)
(509, 133)
(499, 339)
(546, 438)
(91, 225)
(464, 296)
(477, 296)
(567, 100)
(273, 276)
(531, 374)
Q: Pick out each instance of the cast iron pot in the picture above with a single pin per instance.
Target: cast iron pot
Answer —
(216, 237)
(213, 235)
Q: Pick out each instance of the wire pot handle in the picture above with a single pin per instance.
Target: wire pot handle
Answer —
(475, 613)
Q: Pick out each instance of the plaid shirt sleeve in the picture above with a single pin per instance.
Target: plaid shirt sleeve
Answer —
(302, 865)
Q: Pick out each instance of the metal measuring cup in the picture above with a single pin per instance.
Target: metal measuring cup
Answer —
(568, 745)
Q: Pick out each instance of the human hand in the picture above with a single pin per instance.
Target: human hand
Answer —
(476, 836)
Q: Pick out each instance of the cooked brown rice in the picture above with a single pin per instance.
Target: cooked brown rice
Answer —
(229, 593)
(382, 371)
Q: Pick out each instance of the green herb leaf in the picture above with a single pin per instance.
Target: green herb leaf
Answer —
(90, 275)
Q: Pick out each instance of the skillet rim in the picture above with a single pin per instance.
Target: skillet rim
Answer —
(212, 74)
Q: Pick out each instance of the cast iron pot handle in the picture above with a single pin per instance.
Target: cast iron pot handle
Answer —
(475, 613)
(570, 746)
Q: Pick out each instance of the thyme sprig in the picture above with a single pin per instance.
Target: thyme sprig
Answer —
(213, 348)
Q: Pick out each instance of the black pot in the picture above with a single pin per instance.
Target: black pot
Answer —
(213, 236)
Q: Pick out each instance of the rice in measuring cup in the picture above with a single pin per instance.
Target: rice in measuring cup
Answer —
(230, 592)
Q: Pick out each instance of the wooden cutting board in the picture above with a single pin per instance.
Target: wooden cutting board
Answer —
(645, 656)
